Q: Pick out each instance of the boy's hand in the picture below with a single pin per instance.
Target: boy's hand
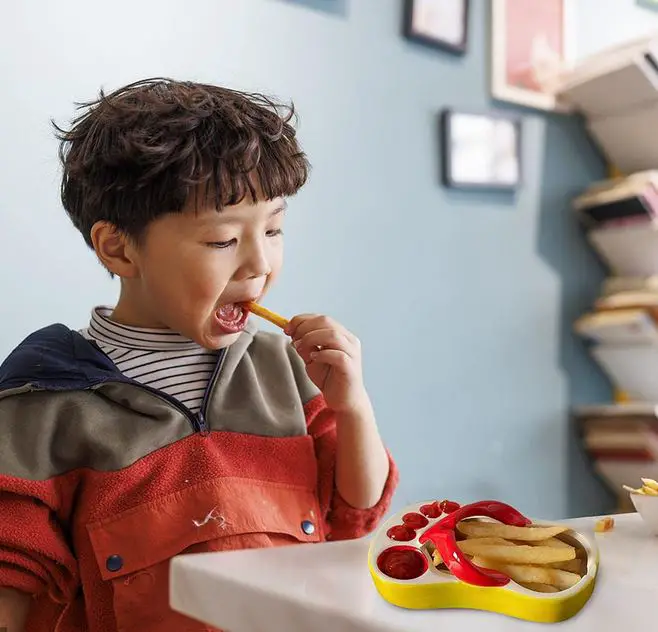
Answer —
(332, 356)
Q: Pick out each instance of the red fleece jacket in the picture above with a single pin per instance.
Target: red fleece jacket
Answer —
(93, 547)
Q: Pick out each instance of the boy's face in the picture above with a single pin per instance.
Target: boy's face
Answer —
(194, 269)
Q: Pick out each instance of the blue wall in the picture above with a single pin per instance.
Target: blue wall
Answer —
(464, 302)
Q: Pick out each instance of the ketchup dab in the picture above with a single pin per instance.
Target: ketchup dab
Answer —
(415, 520)
(431, 510)
(402, 562)
(401, 533)
(448, 506)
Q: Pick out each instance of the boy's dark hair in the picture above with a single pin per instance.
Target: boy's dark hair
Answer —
(140, 152)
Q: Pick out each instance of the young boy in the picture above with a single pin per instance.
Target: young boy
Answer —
(171, 425)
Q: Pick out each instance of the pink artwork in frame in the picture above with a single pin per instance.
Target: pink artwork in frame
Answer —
(532, 46)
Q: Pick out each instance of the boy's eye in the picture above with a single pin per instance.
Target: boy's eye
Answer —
(223, 244)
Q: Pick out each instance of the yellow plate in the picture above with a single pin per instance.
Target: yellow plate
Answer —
(439, 589)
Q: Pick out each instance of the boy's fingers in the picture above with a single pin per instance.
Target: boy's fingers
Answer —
(311, 322)
(325, 339)
(296, 322)
(332, 357)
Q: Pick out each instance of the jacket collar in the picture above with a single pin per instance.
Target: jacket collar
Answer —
(57, 358)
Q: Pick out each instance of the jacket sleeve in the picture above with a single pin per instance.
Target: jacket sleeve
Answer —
(342, 521)
(35, 555)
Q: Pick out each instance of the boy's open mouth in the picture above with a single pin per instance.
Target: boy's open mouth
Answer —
(232, 317)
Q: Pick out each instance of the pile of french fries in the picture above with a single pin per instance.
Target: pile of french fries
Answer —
(534, 557)
(649, 488)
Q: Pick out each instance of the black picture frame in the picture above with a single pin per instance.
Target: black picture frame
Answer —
(451, 164)
(411, 33)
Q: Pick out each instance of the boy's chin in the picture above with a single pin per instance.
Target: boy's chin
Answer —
(216, 341)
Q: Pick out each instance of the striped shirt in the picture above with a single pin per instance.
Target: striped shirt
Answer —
(157, 358)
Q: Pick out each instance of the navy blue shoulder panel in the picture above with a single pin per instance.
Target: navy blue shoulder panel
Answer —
(56, 358)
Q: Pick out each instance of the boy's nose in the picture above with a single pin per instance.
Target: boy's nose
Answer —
(257, 264)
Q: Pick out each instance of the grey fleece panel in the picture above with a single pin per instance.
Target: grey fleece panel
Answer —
(45, 434)
(261, 389)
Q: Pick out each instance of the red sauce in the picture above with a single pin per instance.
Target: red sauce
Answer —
(448, 506)
(415, 520)
(402, 562)
(432, 510)
(401, 533)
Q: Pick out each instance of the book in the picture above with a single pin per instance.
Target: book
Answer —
(632, 368)
(620, 326)
(616, 285)
(645, 301)
(628, 250)
(620, 200)
(614, 443)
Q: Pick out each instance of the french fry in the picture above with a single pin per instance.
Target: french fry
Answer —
(268, 315)
(533, 556)
(505, 551)
(542, 588)
(604, 525)
(553, 542)
(517, 554)
(573, 566)
(649, 488)
(495, 529)
(560, 544)
(650, 483)
(531, 574)
(500, 541)
(436, 559)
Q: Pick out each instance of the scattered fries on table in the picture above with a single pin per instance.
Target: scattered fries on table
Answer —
(534, 556)
(604, 525)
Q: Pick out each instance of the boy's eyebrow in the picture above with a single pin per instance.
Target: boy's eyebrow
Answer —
(279, 209)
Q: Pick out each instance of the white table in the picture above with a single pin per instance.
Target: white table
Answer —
(327, 588)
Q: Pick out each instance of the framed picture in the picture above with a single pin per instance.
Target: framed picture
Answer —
(439, 23)
(532, 44)
(481, 150)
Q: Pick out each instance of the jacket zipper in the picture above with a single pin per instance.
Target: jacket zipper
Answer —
(201, 415)
(191, 417)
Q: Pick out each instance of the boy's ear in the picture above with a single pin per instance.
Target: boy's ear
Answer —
(115, 250)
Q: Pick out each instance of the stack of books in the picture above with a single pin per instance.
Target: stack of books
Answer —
(622, 441)
(621, 219)
(622, 333)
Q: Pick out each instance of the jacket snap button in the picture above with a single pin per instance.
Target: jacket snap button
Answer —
(308, 527)
(114, 563)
